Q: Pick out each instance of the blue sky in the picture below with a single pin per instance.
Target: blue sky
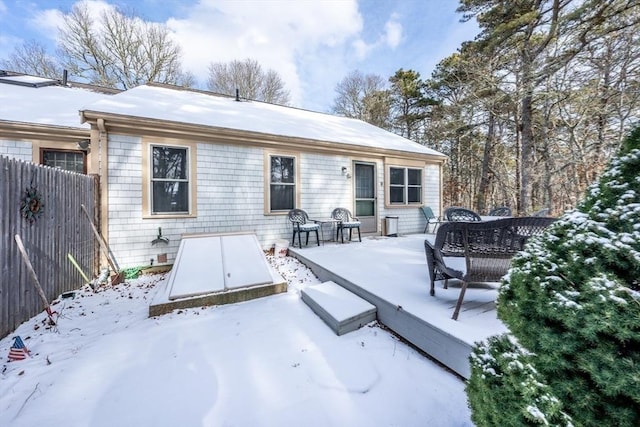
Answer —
(312, 44)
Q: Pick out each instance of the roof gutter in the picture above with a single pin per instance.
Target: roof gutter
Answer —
(130, 125)
(31, 131)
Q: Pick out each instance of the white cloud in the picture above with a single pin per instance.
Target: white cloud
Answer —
(281, 35)
(393, 32)
(7, 44)
(3, 7)
(361, 49)
(390, 37)
(48, 21)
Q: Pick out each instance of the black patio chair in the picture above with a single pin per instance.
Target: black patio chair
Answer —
(455, 213)
(430, 217)
(301, 224)
(501, 211)
(345, 220)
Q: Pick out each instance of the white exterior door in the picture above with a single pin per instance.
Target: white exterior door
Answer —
(365, 196)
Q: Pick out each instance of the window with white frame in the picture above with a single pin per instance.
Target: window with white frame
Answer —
(169, 180)
(405, 186)
(282, 183)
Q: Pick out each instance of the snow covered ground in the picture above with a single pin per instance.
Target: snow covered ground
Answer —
(266, 362)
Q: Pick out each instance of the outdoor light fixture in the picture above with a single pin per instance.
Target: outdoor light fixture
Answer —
(344, 170)
(84, 144)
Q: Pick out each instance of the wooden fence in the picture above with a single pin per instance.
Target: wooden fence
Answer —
(60, 227)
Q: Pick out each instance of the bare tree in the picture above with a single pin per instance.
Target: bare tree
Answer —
(363, 97)
(251, 81)
(118, 50)
(32, 58)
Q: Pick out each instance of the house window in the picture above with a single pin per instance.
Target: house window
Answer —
(282, 183)
(405, 186)
(74, 161)
(169, 180)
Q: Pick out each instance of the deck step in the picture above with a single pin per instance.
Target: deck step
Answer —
(342, 310)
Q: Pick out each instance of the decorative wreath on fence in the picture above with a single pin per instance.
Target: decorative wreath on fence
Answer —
(31, 206)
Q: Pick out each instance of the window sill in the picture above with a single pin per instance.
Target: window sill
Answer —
(168, 216)
(409, 206)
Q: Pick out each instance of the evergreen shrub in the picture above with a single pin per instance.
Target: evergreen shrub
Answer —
(571, 301)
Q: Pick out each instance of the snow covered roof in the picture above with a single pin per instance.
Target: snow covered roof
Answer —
(198, 108)
(32, 81)
(36, 100)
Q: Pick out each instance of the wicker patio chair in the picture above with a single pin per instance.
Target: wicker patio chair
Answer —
(345, 220)
(542, 212)
(301, 224)
(487, 248)
(501, 211)
(456, 213)
(430, 217)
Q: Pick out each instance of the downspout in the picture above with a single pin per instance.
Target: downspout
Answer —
(99, 166)
(103, 167)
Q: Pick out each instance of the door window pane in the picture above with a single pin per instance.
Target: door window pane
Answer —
(364, 182)
(365, 208)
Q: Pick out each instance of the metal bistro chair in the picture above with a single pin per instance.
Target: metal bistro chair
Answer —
(501, 211)
(456, 213)
(430, 217)
(345, 220)
(300, 222)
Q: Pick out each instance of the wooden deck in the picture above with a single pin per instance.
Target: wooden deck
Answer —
(391, 273)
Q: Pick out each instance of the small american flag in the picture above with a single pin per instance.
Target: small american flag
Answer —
(18, 350)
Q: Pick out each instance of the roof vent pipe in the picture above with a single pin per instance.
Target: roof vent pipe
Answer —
(64, 77)
(237, 94)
